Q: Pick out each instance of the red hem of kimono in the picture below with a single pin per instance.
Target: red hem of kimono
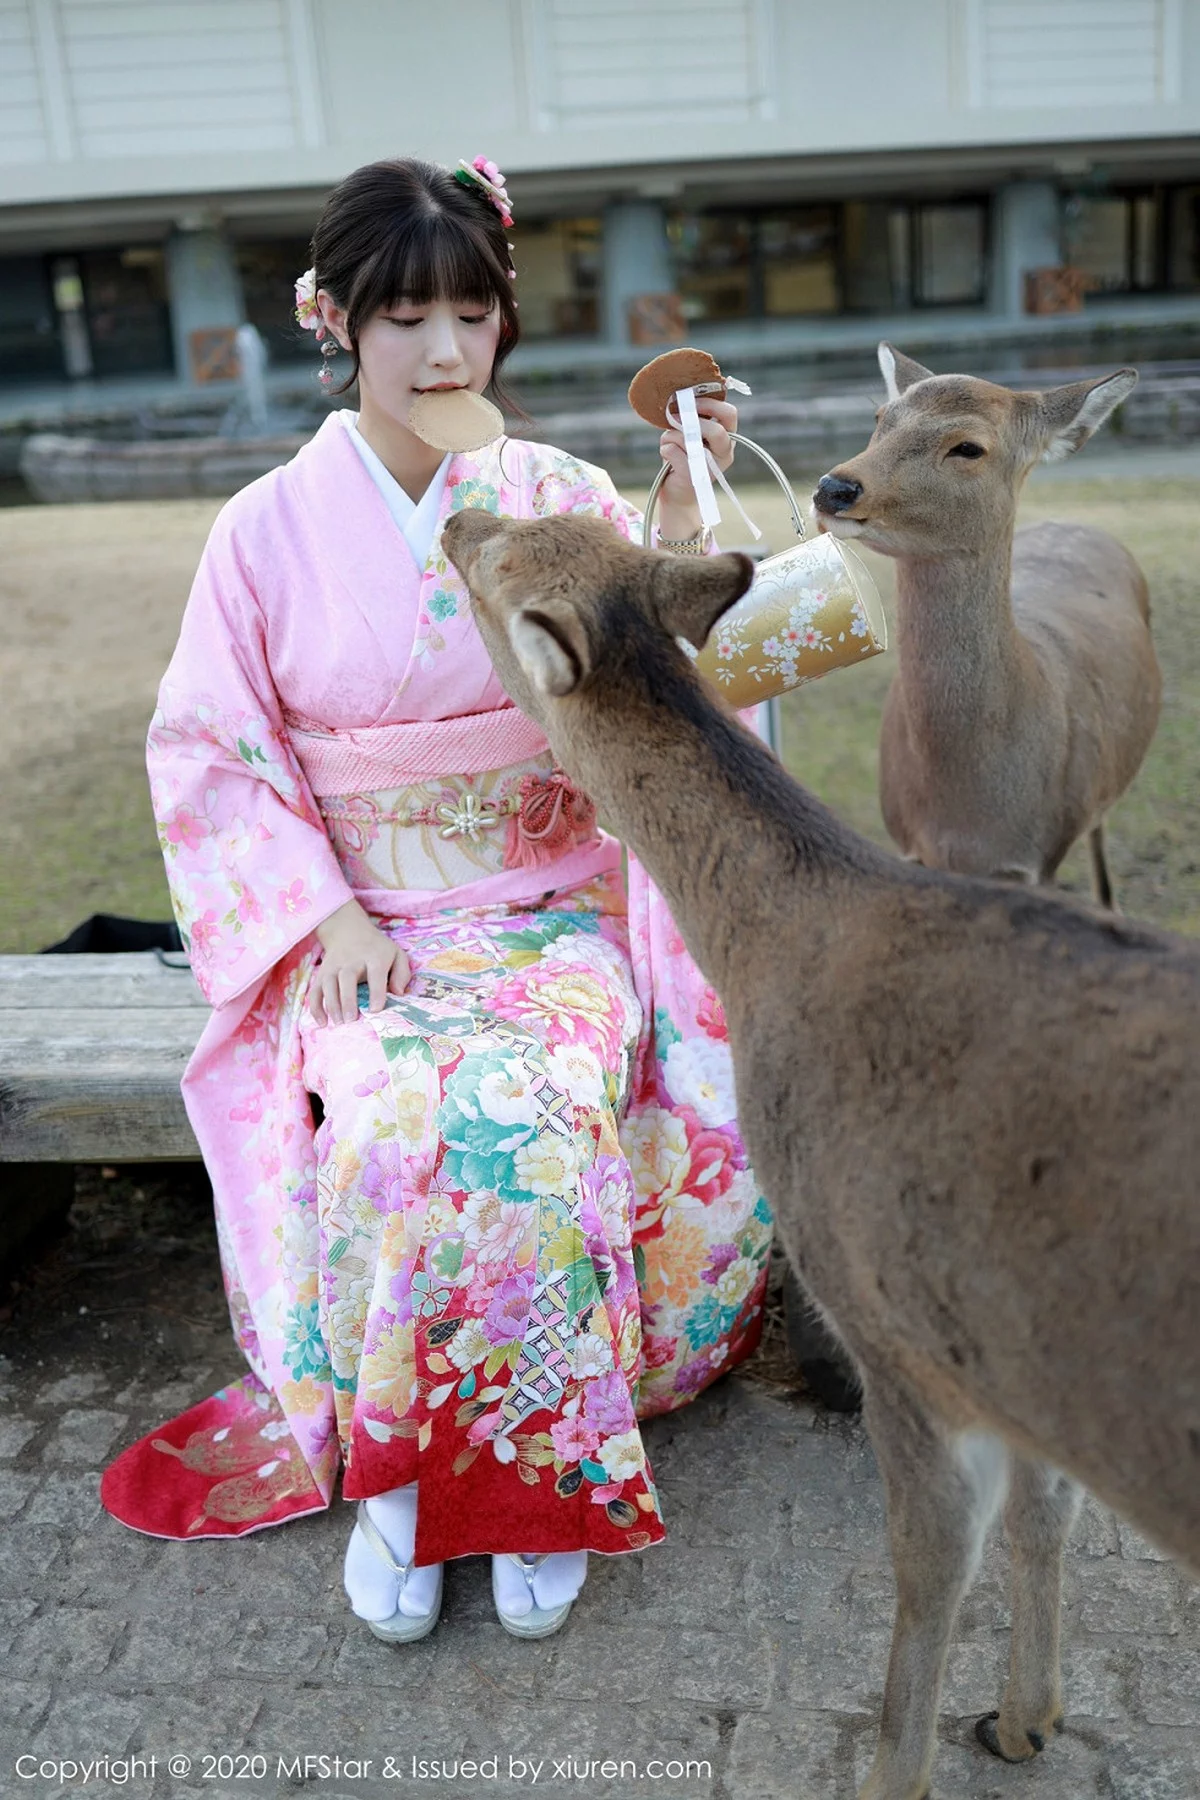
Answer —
(156, 1487)
(168, 1499)
(487, 1508)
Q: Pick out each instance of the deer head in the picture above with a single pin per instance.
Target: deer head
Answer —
(554, 598)
(949, 454)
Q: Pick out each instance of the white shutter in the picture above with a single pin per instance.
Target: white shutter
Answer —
(1061, 54)
(23, 135)
(170, 78)
(606, 66)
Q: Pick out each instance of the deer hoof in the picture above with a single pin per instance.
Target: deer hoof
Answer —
(989, 1737)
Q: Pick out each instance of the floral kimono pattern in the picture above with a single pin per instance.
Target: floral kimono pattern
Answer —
(524, 1220)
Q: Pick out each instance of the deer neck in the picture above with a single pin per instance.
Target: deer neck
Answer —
(960, 656)
(725, 834)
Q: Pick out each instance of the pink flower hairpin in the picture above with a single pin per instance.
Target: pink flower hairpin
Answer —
(484, 175)
(307, 312)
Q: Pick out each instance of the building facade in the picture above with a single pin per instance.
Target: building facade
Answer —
(796, 176)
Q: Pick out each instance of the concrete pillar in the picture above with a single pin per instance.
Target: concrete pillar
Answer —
(204, 285)
(1026, 234)
(637, 260)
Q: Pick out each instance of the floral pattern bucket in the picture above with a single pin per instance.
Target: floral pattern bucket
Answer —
(811, 608)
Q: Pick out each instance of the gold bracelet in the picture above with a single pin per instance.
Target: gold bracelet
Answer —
(696, 545)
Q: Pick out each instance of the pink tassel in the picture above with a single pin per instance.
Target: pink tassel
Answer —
(551, 817)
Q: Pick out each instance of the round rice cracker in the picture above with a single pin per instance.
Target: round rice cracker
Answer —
(455, 419)
(654, 386)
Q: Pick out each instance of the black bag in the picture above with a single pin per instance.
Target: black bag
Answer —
(104, 933)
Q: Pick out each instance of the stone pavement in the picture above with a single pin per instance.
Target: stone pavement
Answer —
(752, 1643)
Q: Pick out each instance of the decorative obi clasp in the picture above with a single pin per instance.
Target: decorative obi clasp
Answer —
(447, 831)
(544, 816)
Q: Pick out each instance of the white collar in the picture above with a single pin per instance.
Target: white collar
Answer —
(416, 519)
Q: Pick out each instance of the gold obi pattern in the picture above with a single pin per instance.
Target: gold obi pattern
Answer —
(455, 829)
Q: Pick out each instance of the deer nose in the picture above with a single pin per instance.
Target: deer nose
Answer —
(834, 494)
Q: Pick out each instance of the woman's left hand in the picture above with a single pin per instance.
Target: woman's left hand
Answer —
(679, 512)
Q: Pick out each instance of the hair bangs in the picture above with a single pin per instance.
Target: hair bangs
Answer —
(439, 257)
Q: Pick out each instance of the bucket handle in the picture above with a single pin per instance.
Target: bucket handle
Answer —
(748, 444)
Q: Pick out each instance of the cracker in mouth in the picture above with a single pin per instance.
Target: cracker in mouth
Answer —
(455, 419)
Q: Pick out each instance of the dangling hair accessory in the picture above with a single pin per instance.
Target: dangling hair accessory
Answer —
(308, 315)
(486, 178)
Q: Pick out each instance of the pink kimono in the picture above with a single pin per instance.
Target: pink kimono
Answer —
(471, 1239)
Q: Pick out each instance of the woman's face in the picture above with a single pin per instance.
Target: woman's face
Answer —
(406, 350)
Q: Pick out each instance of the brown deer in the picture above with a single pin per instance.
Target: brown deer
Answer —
(974, 1108)
(1028, 689)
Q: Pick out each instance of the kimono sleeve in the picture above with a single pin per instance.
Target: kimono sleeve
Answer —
(597, 494)
(580, 487)
(249, 865)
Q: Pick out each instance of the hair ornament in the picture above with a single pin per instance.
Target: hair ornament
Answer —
(484, 176)
(307, 312)
(308, 315)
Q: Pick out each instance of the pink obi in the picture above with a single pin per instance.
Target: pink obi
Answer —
(389, 756)
(398, 821)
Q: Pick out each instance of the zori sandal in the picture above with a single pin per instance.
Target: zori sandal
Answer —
(539, 1622)
(399, 1629)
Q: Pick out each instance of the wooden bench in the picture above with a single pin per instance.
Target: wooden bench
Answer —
(92, 1049)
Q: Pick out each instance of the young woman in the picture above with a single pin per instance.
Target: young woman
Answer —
(480, 1195)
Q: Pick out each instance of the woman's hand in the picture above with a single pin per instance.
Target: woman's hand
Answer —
(679, 511)
(355, 950)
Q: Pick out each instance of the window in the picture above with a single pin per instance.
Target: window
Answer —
(1183, 240)
(798, 251)
(875, 256)
(558, 277)
(860, 256)
(28, 325)
(125, 306)
(269, 268)
(1117, 240)
(714, 257)
(901, 254)
(949, 258)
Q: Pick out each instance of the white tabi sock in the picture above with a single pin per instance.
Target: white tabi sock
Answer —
(373, 1590)
(558, 1580)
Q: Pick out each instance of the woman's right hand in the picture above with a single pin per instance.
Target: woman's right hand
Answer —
(355, 951)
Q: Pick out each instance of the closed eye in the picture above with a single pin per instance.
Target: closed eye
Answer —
(968, 450)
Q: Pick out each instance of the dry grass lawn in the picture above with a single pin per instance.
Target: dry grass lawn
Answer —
(91, 598)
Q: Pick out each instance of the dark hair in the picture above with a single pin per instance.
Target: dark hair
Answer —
(407, 230)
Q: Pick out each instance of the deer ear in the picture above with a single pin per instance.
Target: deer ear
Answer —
(551, 646)
(1070, 414)
(691, 592)
(899, 371)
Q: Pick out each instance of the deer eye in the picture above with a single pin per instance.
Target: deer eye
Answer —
(968, 450)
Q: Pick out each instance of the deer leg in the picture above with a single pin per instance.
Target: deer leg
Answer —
(942, 1494)
(1042, 1508)
(1102, 887)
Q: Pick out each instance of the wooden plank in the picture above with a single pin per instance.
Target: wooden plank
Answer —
(135, 978)
(92, 1049)
(44, 1039)
(90, 1114)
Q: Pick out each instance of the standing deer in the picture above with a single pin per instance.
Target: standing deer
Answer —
(975, 1110)
(1028, 689)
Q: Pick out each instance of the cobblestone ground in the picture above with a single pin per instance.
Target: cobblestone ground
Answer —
(753, 1642)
